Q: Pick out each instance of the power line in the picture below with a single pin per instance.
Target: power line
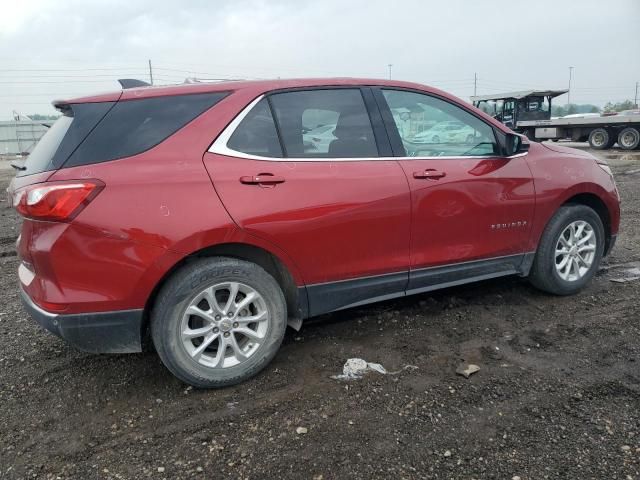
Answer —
(67, 69)
(109, 75)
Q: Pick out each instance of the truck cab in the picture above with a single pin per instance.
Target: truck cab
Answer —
(529, 112)
(514, 107)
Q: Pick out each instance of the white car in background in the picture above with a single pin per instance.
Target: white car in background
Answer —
(318, 139)
(446, 132)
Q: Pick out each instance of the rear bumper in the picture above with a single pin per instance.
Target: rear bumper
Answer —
(103, 332)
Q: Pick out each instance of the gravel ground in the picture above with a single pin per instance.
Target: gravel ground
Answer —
(557, 396)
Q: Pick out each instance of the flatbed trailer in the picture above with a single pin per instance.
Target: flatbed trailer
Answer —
(529, 112)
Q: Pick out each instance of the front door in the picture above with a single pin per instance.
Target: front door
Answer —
(302, 170)
(471, 207)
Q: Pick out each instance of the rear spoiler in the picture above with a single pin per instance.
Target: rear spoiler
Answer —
(132, 83)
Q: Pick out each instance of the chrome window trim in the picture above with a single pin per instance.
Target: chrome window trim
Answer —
(220, 147)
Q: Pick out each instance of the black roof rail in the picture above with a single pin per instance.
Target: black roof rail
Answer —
(132, 83)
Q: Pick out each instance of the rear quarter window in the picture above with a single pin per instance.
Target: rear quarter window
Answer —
(134, 126)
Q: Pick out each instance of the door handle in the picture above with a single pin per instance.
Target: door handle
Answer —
(430, 173)
(262, 179)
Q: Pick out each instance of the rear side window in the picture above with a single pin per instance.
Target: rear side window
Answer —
(324, 123)
(134, 126)
(64, 136)
(256, 134)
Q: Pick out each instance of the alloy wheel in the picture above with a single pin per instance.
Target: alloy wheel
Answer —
(224, 325)
(575, 251)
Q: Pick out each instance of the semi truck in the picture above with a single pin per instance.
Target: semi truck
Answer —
(529, 112)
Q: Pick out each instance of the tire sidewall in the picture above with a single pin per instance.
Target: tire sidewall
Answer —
(637, 138)
(546, 252)
(180, 290)
(607, 142)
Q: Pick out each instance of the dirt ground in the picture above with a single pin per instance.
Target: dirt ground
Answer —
(557, 396)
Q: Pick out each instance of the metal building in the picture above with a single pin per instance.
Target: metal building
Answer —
(20, 136)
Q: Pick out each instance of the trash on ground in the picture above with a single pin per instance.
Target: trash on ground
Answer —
(355, 368)
(628, 275)
(467, 369)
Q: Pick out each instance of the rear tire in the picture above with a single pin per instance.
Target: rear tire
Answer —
(548, 272)
(629, 138)
(216, 344)
(600, 139)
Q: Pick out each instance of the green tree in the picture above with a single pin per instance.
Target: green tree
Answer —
(562, 110)
(619, 106)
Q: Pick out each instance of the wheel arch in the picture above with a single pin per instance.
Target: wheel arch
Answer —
(296, 299)
(596, 203)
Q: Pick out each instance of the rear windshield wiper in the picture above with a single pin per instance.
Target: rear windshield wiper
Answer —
(18, 167)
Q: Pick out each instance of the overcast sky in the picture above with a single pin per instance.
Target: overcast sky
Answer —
(64, 48)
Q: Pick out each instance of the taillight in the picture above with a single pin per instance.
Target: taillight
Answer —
(56, 201)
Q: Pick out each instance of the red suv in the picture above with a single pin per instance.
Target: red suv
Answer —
(213, 215)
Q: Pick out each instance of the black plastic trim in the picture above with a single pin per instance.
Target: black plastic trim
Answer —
(387, 117)
(329, 297)
(448, 275)
(332, 296)
(377, 123)
(610, 245)
(527, 263)
(126, 83)
(103, 332)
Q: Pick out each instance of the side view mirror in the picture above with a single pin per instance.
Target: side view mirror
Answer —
(516, 144)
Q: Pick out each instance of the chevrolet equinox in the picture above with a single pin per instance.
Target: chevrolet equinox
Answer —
(208, 217)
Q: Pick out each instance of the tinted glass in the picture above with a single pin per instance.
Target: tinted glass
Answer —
(324, 124)
(256, 134)
(40, 158)
(64, 136)
(133, 126)
(430, 127)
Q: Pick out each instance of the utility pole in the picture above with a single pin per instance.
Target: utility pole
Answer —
(150, 73)
(569, 92)
(390, 65)
(475, 83)
(635, 101)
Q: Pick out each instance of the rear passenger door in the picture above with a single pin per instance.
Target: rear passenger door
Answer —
(471, 206)
(302, 170)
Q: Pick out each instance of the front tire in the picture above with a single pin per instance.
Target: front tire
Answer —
(218, 321)
(569, 252)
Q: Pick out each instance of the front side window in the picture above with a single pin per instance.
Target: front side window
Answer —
(324, 123)
(431, 127)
